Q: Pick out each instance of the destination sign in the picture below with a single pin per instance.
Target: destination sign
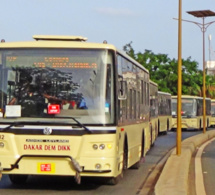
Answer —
(51, 61)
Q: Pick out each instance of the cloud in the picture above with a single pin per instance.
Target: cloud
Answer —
(114, 11)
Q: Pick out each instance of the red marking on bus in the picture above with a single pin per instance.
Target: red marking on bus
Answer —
(45, 167)
(54, 109)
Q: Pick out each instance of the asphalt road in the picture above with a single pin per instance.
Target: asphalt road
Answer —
(208, 168)
(131, 184)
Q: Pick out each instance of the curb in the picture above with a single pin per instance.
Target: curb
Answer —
(148, 187)
(174, 177)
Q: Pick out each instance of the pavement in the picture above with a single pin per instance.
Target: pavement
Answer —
(173, 179)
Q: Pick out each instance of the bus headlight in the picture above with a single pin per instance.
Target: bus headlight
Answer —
(101, 146)
(95, 146)
(1, 145)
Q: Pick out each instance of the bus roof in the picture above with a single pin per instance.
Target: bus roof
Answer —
(53, 41)
(153, 83)
(164, 93)
(189, 97)
(59, 38)
(67, 42)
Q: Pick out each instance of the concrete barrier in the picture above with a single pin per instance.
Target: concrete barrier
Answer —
(174, 177)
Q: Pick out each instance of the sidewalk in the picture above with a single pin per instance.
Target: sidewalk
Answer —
(174, 177)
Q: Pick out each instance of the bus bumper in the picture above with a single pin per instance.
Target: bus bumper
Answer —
(189, 124)
(185, 126)
(75, 169)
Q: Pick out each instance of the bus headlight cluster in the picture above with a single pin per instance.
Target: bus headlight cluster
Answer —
(101, 146)
(1, 145)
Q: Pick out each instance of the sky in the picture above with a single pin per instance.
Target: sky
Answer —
(148, 24)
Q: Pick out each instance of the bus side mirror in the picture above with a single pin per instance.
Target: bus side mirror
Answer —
(122, 95)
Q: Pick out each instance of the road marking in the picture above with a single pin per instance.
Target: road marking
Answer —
(199, 180)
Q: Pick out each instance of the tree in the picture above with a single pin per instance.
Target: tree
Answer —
(163, 71)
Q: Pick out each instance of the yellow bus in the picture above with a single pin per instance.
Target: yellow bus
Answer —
(164, 112)
(153, 110)
(191, 112)
(71, 108)
(212, 122)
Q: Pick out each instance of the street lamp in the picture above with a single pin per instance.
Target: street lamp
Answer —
(178, 137)
(202, 14)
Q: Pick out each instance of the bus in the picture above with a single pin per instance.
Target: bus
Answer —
(69, 107)
(212, 122)
(191, 112)
(164, 112)
(153, 110)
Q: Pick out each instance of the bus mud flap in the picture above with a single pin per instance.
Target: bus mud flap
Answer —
(78, 169)
(78, 178)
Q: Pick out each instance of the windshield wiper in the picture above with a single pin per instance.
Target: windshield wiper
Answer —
(11, 125)
(79, 123)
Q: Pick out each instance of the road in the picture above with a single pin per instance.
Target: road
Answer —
(131, 184)
(208, 168)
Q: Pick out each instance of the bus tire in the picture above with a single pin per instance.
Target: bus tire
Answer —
(125, 154)
(152, 143)
(18, 179)
(114, 180)
(167, 125)
(207, 124)
(136, 165)
(200, 125)
(159, 127)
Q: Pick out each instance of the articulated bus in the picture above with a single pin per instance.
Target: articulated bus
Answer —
(212, 122)
(164, 112)
(153, 110)
(191, 112)
(71, 108)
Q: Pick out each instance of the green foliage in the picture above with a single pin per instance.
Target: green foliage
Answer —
(164, 71)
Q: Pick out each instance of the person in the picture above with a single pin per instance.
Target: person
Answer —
(82, 104)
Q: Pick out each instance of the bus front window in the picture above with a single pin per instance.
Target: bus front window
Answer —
(188, 107)
(53, 83)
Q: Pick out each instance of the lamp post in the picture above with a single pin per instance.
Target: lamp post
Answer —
(203, 26)
(178, 137)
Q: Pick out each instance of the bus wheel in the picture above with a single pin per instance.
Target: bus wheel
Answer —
(125, 156)
(136, 165)
(114, 180)
(200, 126)
(18, 179)
(152, 143)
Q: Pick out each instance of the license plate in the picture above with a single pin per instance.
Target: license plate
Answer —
(46, 167)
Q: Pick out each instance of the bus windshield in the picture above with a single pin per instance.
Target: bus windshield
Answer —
(189, 107)
(52, 84)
